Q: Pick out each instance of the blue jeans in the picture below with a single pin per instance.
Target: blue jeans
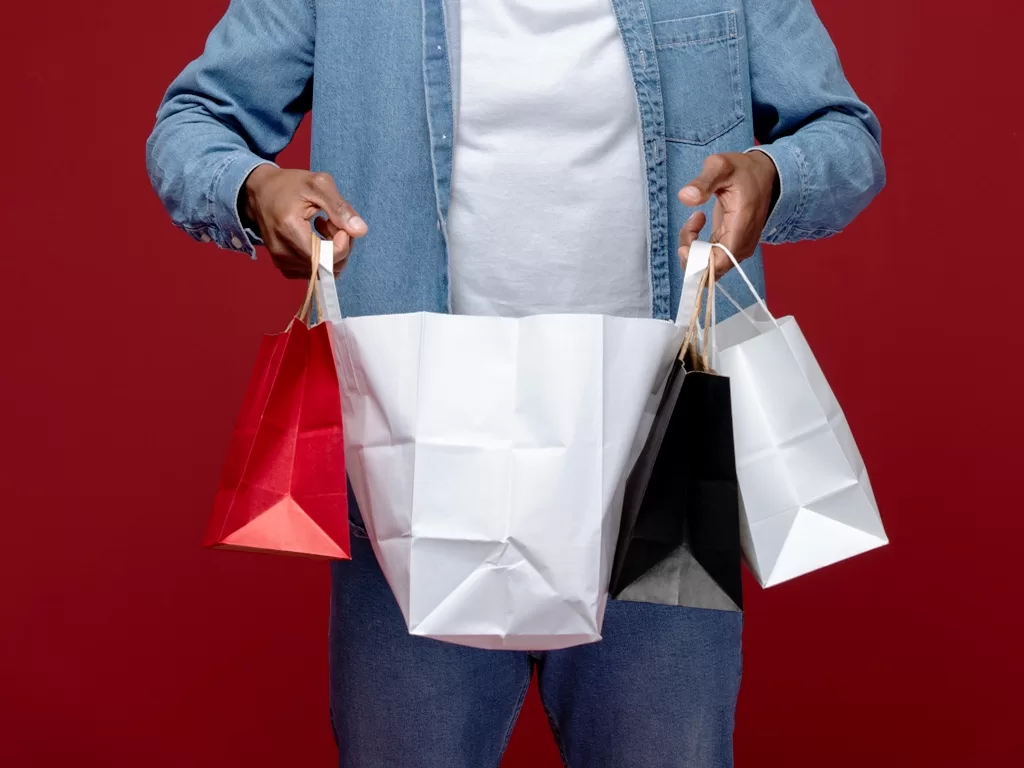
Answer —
(659, 690)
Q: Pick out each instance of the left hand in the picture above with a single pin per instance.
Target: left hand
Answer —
(745, 185)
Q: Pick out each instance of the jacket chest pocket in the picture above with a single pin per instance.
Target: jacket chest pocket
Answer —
(699, 66)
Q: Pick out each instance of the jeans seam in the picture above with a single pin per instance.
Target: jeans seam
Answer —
(818, 233)
(515, 714)
(801, 162)
(211, 196)
(556, 733)
(334, 725)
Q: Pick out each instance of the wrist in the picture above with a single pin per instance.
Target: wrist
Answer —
(767, 174)
(249, 195)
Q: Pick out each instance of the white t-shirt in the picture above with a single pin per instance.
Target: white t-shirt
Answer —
(548, 209)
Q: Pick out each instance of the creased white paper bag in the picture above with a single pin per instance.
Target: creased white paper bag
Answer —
(806, 498)
(488, 457)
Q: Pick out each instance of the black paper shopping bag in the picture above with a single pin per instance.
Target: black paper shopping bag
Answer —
(679, 540)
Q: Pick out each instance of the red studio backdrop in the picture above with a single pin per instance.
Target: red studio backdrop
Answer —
(124, 644)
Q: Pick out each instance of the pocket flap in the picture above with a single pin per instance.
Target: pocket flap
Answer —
(697, 29)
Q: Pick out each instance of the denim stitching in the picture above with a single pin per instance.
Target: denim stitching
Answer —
(559, 741)
(737, 79)
(649, 101)
(801, 163)
(196, 233)
(731, 40)
(694, 142)
(430, 122)
(812, 234)
(697, 41)
(785, 229)
(211, 191)
(208, 195)
(515, 714)
(247, 245)
(731, 29)
(778, 229)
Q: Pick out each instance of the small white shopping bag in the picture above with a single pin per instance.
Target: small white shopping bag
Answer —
(806, 498)
(489, 455)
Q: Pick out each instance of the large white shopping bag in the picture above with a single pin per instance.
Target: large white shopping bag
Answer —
(488, 457)
(806, 498)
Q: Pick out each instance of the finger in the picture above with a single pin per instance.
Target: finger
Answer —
(721, 220)
(690, 232)
(342, 242)
(714, 175)
(722, 261)
(293, 249)
(326, 229)
(290, 264)
(323, 192)
(691, 229)
(734, 225)
(293, 266)
(342, 248)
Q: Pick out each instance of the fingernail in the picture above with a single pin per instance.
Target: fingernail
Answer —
(691, 192)
(357, 223)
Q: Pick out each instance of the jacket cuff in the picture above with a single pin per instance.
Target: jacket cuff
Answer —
(789, 165)
(229, 232)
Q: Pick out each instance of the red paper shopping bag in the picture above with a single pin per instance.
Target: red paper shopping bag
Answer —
(283, 485)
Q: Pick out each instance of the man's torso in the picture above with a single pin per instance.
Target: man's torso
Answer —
(384, 100)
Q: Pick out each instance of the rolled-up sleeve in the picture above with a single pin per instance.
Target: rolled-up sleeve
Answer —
(232, 109)
(825, 142)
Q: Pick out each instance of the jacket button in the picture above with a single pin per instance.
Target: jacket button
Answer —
(205, 238)
(236, 242)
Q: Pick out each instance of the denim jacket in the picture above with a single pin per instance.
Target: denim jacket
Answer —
(710, 76)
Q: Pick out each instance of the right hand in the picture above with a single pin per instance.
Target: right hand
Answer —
(281, 203)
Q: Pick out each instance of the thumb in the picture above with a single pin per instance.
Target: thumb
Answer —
(690, 232)
(341, 239)
(714, 175)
